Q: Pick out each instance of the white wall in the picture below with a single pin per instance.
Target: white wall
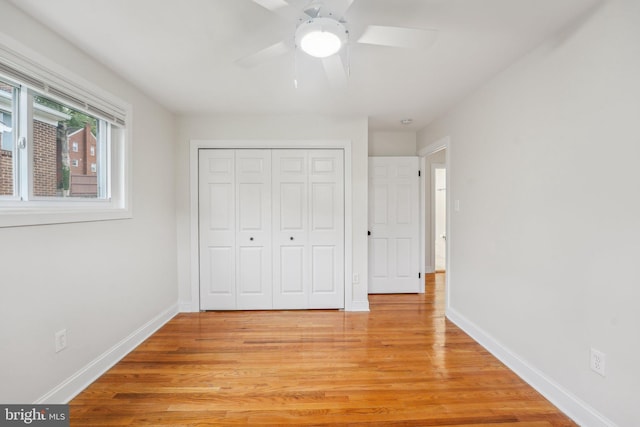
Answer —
(392, 143)
(233, 127)
(125, 274)
(545, 246)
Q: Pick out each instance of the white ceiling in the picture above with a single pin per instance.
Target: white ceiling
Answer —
(182, 52)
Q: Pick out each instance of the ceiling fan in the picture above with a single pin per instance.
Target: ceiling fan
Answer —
(322, 31)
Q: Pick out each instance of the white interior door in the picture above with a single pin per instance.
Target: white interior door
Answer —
(394, 264)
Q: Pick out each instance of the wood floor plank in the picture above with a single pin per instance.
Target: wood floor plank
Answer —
(402, 364)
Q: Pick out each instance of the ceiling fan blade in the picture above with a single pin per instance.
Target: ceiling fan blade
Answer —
(334, 69)
(412, 38)
(264, 55)
(272, 5)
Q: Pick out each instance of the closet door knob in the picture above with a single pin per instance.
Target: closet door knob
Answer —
(291, 238)
(251, 238)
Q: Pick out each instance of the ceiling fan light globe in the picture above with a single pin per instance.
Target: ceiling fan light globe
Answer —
(321, 37)
(320, 44)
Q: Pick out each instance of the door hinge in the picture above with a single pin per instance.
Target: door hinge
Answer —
(368, 233)
(419, 173)
(419, 276)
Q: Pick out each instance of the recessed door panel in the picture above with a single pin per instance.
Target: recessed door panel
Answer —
(293, 164)
(220, 206)
(323, 206)
(291, 269)
(323, 165)
(379, 257)
(250, 206)
(251, 164)
(292, 205)
(381, 204)
(379, 171)
(221, 268)
(220, 166)
(323, 269)
(403, 258)
(403, 203)
(250, 277)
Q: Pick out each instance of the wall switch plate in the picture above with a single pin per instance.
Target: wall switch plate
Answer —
(598, 360)
(61, 340)
(356, 278)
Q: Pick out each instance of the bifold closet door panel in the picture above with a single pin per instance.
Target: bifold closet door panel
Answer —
(308, 228)
(217, 222)
(253, 237)
(291, 274)
(235, 229)
(326, 228)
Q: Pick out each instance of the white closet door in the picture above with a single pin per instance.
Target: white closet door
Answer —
(290, 229)
(217, 213)
(235, 229)
(326, 228)
(308, 228)
(271, 229)
(393, 222)
(253, 237)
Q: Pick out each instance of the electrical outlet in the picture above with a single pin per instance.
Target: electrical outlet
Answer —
(598, 360)
(61, 340)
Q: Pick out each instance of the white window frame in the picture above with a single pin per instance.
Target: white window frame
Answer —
(75, 163)
(74, 147)
(58, 80)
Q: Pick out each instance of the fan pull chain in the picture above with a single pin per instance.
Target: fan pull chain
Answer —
(348, 48)
(295, 66)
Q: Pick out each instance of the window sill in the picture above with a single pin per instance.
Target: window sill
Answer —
(59, 215)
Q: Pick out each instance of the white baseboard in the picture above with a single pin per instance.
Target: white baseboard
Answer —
(73, 385)
(359, 306)
(571, 405)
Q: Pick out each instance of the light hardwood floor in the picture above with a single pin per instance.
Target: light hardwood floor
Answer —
(402, 364)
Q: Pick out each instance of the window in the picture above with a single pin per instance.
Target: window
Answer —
(48, 128)
(7, 143)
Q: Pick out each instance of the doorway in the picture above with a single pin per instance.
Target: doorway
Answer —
(439, 197)
(436, 156)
